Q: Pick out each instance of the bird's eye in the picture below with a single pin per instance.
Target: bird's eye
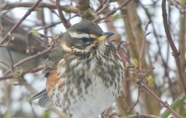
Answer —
(86, 39)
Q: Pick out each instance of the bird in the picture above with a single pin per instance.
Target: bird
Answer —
(84, 72)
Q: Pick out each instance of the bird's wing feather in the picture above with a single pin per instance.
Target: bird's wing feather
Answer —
(54, 57)
(44, 100)
(38, 95)
(50, 64)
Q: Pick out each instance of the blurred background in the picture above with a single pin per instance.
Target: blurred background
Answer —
(139, 36)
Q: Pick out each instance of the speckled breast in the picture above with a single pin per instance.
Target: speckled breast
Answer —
(94, 80)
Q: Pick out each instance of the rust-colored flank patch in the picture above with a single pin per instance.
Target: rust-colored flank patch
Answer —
(53, 78)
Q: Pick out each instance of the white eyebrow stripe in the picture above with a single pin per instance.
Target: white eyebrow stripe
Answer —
(76, 35)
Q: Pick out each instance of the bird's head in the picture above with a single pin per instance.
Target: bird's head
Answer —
(83, 37)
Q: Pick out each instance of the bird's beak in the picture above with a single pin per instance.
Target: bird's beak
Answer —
(104, 36)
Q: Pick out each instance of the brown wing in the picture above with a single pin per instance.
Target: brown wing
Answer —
(50, 65)
(54, 57)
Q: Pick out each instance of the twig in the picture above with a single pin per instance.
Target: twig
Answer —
(32, 70)
(5, 64)
(136, 100)
(49, 25)
(27, 59)
(32, 57)
(6, 77)
(159, 100)
(175, 53)
(1, 27)
(11, 59)
(22, 19)
(101, 3)
(113, 11)
(137, 115)
(177, 5)
(63, 20)
(164, 61)
(143, 46)
(11, 5)
(104, 6)
(43, 22)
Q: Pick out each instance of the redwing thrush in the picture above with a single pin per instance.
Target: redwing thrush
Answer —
(84, 72)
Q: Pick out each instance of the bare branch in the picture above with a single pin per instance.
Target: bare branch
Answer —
(22, 19)
(11, 5)
(165, 104)
(64, 21)
(113, 11)
(142, 47)
(175, 53)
